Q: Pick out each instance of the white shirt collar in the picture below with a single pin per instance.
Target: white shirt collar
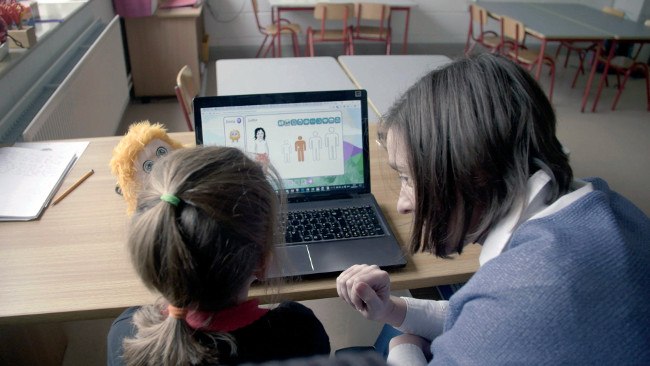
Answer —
(499, 236)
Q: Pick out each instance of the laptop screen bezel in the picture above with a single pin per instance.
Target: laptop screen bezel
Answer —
(289, 98)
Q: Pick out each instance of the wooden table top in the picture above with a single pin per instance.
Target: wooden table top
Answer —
(72, 263)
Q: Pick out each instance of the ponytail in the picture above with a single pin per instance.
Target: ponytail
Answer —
(165, 340)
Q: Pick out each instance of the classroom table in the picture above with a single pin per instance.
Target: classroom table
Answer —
(278, 75)
(72, 263)
(546, 24)
(572, 22)
(397, 72)
(279, 6)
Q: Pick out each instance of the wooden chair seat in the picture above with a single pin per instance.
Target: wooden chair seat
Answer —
(525, 56)
(368, 31)
(272, 29)
(493, 41)
(328, 35)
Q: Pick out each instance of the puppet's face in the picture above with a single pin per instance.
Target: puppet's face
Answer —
(145, 160)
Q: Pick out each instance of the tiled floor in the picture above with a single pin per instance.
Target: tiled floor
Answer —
(610, 144)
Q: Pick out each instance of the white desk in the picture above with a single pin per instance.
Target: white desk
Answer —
(387, 77)
(571, 22)
(280, 75)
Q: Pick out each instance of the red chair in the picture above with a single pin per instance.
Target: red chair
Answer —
(622, 65)
(327, 14)
(513, 37)
(583, 49)
(282, 27)
(365, 12)
(186, 90)
(488, 39)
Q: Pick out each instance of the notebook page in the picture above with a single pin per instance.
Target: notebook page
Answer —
(29, 178)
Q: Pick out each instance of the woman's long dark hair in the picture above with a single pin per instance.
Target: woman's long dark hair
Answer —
(474, 131)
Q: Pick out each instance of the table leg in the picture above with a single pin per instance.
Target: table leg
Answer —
(407, 20)
(604, 75)
(279, 25)
(540, 59)
(594, 66)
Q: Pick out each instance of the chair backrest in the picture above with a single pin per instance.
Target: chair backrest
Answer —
(326, 11)
(186, 91)
(478, 14)
(513, 30)
(371, 11)
(333, 12)
(613, 11)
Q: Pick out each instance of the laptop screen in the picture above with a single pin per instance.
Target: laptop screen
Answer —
(317, 141)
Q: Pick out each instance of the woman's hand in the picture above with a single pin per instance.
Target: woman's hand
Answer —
(367, 289)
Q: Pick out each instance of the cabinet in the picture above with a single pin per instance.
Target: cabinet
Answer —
(159, 45)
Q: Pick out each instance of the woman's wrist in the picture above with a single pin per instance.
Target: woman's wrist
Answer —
(398, 311)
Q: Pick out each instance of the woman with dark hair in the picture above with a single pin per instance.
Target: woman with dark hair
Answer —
(475, 147)
(203, 231)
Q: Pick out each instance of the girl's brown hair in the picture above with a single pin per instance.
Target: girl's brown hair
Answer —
(474, 131)
(202, 252)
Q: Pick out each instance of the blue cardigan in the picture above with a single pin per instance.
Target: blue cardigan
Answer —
(570, 288)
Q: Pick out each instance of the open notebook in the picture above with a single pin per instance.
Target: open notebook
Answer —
(28, 180)
(318, 142)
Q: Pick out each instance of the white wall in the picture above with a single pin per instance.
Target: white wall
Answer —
(232, 23)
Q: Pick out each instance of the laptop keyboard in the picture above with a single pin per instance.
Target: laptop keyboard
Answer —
(331, 224)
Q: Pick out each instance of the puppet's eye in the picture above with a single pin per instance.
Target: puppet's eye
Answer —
(147, 166)
(161, 151)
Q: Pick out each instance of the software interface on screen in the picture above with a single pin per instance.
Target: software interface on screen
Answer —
(314, 146)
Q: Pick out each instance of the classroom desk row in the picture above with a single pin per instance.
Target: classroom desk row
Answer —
(559, 22)
(72, 263)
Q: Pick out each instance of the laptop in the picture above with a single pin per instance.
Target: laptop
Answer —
(318, 142)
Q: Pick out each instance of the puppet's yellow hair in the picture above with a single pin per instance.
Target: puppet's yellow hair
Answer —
(126, 152)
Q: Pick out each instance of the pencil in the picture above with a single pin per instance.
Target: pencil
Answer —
(72, 187)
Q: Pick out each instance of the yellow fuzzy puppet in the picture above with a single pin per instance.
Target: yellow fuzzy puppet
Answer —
(134, 156)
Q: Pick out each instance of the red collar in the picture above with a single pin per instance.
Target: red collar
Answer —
(226, 320)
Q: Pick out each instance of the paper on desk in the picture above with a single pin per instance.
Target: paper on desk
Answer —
(76, 147)
(28, 180)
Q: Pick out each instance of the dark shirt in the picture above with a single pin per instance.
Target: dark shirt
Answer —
(288, 331)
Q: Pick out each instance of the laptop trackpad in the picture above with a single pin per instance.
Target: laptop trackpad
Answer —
(291, 261)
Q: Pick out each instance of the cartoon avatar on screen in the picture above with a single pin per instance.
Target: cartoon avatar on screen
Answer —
(315, 144)
(300, 147)
(235, 135)
(332, 142)
(261, 147)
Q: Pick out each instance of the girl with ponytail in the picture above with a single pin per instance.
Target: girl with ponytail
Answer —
(203, 231)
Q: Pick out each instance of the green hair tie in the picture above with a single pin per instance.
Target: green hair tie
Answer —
(170, 198)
